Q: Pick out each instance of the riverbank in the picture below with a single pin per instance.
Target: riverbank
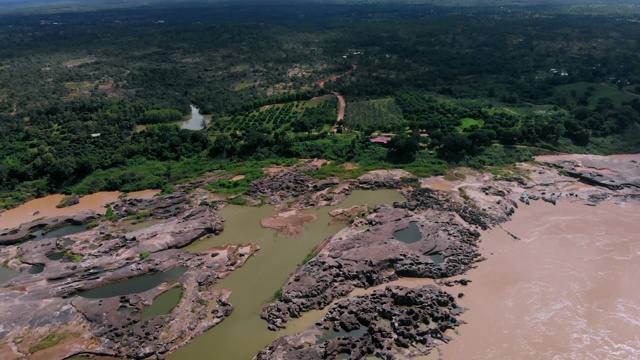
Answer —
(231, 278)
(480, 201)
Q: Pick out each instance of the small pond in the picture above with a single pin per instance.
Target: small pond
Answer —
(196, 121)
(62, 231)
(58, 256)
(409, 235)
(331, 334)
(134, 285)
(7, 274)
(36, 269)
(437, 258)
(163, 303)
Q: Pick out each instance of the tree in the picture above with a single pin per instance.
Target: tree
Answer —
(403, 149)
(454, 147)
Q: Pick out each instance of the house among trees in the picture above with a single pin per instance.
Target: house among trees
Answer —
(380, 140)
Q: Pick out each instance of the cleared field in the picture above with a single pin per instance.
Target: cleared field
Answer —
(376, 114)
(78, 62)
(318, 100)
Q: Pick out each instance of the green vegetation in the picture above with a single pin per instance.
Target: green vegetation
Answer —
(277, 295)
(588, 94)
(67, 201)
(238, 200)
(73, 257)
(139, 216)
(373, 115)
(51, 340)
(110, 215)
(467, 123)
(143, 255)
(498, 89)
(312, 254)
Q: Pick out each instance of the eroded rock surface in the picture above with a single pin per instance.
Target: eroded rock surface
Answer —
(614, 172)
(110, 253)
(396, 320)
(370, 255)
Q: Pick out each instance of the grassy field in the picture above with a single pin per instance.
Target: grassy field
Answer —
(318, 100)
(467, 123)
(600, 91)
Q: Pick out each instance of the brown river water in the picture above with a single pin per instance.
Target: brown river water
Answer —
(46, 206)
(567, 290)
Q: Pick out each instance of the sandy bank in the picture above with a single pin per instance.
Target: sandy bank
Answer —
(288, 223)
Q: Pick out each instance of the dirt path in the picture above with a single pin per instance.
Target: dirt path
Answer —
(341, 101)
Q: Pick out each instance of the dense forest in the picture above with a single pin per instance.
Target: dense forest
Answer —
(93, 101)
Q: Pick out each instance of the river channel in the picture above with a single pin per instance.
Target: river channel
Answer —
(46, 206)
(194, 121)
(243, 334)
(567, 290)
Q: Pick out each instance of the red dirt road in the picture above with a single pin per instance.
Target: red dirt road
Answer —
(341, 101)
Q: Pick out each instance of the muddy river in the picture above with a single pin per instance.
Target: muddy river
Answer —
(46, 206)
(567, 290)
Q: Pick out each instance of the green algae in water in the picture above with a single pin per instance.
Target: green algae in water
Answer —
(409, 235)
(163, 303)
(134, 285)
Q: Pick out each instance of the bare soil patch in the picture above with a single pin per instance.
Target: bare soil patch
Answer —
(78, 62)
(288, 223)
(273, 169)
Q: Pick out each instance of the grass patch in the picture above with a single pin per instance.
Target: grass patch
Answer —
(143, 215)
(110, 215)
(73, 257)
(277, 295)
(318, 100)
(238, 200)
(467, 123)
(52, 340)
(143, 255)
(67, 201)
(340, 171)
(309, 257)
